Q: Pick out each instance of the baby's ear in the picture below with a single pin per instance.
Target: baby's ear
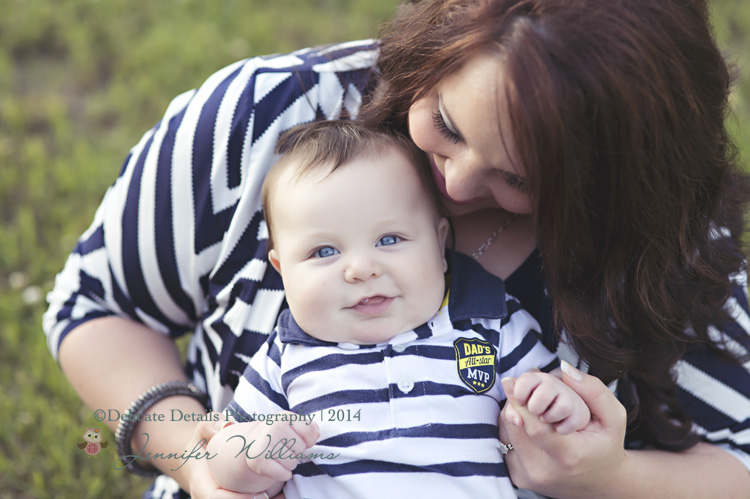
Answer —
(442, 232)
(273, 257)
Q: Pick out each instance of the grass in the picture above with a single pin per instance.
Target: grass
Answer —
(80, 81)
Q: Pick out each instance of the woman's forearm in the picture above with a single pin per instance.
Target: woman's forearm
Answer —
(110, 362)
(703, 471)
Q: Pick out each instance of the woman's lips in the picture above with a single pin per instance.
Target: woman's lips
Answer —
(373, 305)
(440, 182)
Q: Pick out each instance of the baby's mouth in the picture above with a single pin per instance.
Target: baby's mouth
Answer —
(373, 305)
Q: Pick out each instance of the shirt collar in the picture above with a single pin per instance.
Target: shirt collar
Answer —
(474, 293)
(290, 332)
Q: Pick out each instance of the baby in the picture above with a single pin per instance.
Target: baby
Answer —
(382, 377)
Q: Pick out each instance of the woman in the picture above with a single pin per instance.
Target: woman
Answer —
(582, 137)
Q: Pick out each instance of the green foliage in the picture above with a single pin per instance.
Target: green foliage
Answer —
(732, 28)
(80, 81)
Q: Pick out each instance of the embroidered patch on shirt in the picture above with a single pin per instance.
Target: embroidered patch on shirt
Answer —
(476, 363)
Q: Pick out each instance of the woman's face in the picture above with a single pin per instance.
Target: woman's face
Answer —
(464, 129)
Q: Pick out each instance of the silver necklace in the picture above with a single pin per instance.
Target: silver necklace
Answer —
(481, 249)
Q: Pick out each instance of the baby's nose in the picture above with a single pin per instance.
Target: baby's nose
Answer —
(362, 269)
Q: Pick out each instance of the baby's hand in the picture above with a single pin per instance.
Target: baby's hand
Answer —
(280, 443)
(554, 402)
(255, 457)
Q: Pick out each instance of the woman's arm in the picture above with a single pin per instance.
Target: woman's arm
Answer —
(137, 277)
(142, 359)
(110, 362)
(702, 471)
(125, 290)
(593, 463)
(162, 250)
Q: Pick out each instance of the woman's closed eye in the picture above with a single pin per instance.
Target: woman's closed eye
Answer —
(517, 183)
(514, 182)
(439, 123)
(389, 240)
(325, 252)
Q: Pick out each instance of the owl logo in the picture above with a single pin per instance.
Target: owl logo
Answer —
(91, 444)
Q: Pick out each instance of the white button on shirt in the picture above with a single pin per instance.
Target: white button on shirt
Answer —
(405, 384)
(399, 348)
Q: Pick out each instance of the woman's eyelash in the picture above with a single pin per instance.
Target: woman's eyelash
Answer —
(439, 123)
(516, 183)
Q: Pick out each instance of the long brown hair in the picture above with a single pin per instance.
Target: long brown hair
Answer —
(617, 110)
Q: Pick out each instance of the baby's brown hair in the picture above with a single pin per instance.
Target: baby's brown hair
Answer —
(333, 143)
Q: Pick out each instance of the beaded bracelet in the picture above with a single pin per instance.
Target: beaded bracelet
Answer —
(137, 409)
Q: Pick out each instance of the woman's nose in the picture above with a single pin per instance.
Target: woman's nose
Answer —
(361, 269)
(462, 179)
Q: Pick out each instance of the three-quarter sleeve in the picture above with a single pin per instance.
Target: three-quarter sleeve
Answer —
(715, 391)
(178, 240)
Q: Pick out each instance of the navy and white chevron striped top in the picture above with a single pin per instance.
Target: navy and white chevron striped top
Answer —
(413, 417)
(178, 242)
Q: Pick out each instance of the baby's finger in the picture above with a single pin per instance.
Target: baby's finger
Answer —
(559, 409)
(208, 428)
(285, 446)
(579, 418)
(542, 399)
(205, 430)
(292, 453)
(308, 432)
(566, 426)
(525, 386)
(271, 468)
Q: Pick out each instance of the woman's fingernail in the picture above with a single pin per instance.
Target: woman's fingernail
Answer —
(508, 384)
(571, 371)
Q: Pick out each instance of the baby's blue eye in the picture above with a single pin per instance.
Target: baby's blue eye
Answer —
(388, 240)
(325, 252)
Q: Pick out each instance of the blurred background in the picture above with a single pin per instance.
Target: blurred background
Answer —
(80, 82)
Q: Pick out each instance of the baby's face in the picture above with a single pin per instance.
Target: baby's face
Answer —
(360, 251)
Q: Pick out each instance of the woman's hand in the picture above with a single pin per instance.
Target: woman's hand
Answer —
(582, 464)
